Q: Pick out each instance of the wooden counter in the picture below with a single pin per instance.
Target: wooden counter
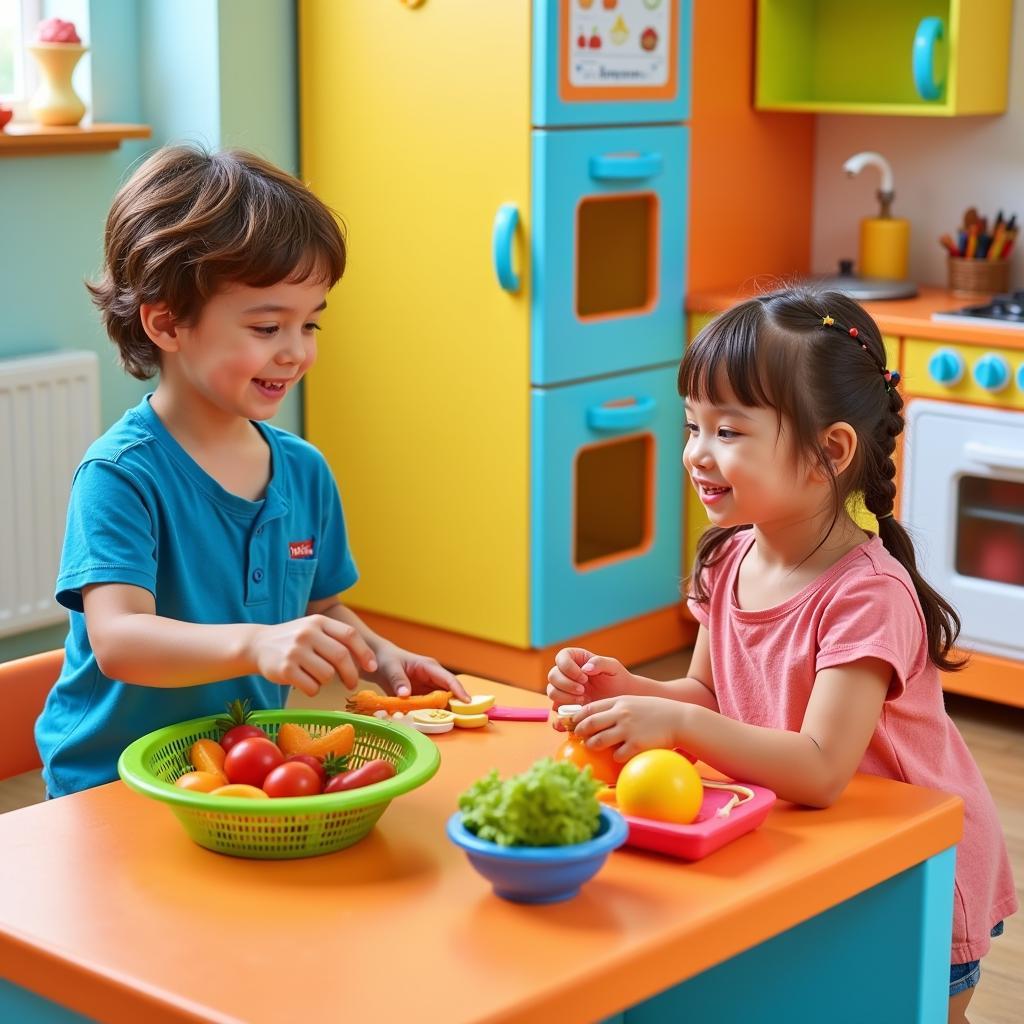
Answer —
(108, 909)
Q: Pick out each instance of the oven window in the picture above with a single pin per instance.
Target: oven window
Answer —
(990, 530)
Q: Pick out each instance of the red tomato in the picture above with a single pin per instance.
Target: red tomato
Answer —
(240, 732)
(293, 778)
(251, 760)
(314, 762)
(364, 775)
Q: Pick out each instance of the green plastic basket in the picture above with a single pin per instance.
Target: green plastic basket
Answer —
(283, 827)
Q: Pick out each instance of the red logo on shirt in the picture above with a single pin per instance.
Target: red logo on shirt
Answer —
(301, 548)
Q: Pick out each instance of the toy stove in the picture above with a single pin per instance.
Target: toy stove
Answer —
(1002, 311)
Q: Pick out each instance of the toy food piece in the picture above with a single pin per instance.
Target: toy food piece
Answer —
(660, 784)
(432, 722)
(475, 706)
(241, 789)
(502, 713)
(471, 721)
(368, 702)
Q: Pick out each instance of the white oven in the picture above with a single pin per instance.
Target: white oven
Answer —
(963, 502)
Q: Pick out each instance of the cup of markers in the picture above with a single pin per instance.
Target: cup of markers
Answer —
(979, 254)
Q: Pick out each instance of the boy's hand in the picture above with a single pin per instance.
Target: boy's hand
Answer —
(630, 723)
(402, 673)
(308, 652)
(580, 677)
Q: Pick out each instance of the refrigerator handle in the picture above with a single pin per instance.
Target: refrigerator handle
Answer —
(506, 220)
(617, 419)
(626, 166)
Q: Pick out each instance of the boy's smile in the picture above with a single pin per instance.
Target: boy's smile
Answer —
(248, 348)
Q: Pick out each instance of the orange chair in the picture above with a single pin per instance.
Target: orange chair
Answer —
(24, 684)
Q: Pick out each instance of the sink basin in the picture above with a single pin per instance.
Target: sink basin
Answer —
(861, 288)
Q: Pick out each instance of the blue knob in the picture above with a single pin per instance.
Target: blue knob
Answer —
(1020, 376)
(946, 367)
(992, 372)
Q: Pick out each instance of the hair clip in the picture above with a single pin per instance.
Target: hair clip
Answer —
(853, 332)
(827, 321)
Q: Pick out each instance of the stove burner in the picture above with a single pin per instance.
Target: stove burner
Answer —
(1002, 307)
(1002, 311)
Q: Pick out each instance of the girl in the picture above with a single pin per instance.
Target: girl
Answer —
(819, 644)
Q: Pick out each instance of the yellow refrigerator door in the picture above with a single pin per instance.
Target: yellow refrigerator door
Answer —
(415, 129)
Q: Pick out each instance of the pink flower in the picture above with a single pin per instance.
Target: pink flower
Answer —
(54, 30)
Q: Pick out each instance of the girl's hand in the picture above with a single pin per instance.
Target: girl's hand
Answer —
(579, 677)
(308, 652)
(631, 723)
(401, 673)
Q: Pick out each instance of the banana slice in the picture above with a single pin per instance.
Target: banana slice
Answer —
(471, 721)
(475, 706)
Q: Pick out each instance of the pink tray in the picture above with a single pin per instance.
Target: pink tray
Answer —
(707, 833)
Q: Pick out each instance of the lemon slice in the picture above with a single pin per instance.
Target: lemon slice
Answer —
(471, 721)
(475, 706)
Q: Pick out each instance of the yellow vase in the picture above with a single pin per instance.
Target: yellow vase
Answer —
(55, 102)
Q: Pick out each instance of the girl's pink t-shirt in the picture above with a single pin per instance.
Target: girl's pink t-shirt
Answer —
(865, 606)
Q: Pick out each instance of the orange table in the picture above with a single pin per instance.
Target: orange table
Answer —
(108, 909)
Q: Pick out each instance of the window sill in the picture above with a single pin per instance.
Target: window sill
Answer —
(23, 139)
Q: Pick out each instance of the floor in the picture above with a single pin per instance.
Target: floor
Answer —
(995, 735)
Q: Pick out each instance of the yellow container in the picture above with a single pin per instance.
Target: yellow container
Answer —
(884, 247)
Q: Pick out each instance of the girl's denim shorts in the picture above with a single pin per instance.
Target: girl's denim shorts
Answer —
(965, 976)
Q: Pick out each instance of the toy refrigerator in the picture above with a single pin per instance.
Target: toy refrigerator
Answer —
(495, 390)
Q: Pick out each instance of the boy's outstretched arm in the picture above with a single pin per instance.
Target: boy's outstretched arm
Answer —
(134, 644)
(812, 766)
(398, 671)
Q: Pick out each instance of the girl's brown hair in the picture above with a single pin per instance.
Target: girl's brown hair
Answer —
(775, 352)
(187, 222)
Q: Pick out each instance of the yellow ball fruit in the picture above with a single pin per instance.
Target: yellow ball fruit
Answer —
(662, 785)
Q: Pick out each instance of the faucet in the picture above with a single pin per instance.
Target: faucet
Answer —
(885, 193)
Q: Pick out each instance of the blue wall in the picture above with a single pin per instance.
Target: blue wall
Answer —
(218, 72)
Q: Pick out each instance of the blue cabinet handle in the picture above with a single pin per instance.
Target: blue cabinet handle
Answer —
(617, 419)
(626, 166)
(506, 220)
(928, 33)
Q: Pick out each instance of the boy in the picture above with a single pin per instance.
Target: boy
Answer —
(205, 549)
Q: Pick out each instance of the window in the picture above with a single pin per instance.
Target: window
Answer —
(18, 19)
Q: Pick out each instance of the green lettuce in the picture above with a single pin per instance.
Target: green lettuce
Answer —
(550, 804)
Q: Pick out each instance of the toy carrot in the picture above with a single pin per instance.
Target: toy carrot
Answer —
(366, 702)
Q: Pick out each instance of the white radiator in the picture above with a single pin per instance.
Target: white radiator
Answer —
(49, 415)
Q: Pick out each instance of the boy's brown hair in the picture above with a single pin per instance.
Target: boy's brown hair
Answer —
(189, 221)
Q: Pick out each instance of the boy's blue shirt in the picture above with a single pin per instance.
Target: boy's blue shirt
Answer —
(143, 512)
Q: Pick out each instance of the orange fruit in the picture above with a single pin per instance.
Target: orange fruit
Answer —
(208, 756)
(337, 742)
(603, 765)
(662, 785)
(201, 782)
(242, 790)
(293, 739)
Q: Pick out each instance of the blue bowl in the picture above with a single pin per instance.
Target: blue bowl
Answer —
(540, 874)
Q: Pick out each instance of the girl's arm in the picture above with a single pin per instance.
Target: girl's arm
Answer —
(698, 686)
(134, 644)
(809, 767)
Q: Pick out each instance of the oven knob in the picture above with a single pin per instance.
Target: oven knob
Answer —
(992, 372)
(946, 367)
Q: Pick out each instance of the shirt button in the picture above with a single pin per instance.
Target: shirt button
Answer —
(257, 575)
(259, 530)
